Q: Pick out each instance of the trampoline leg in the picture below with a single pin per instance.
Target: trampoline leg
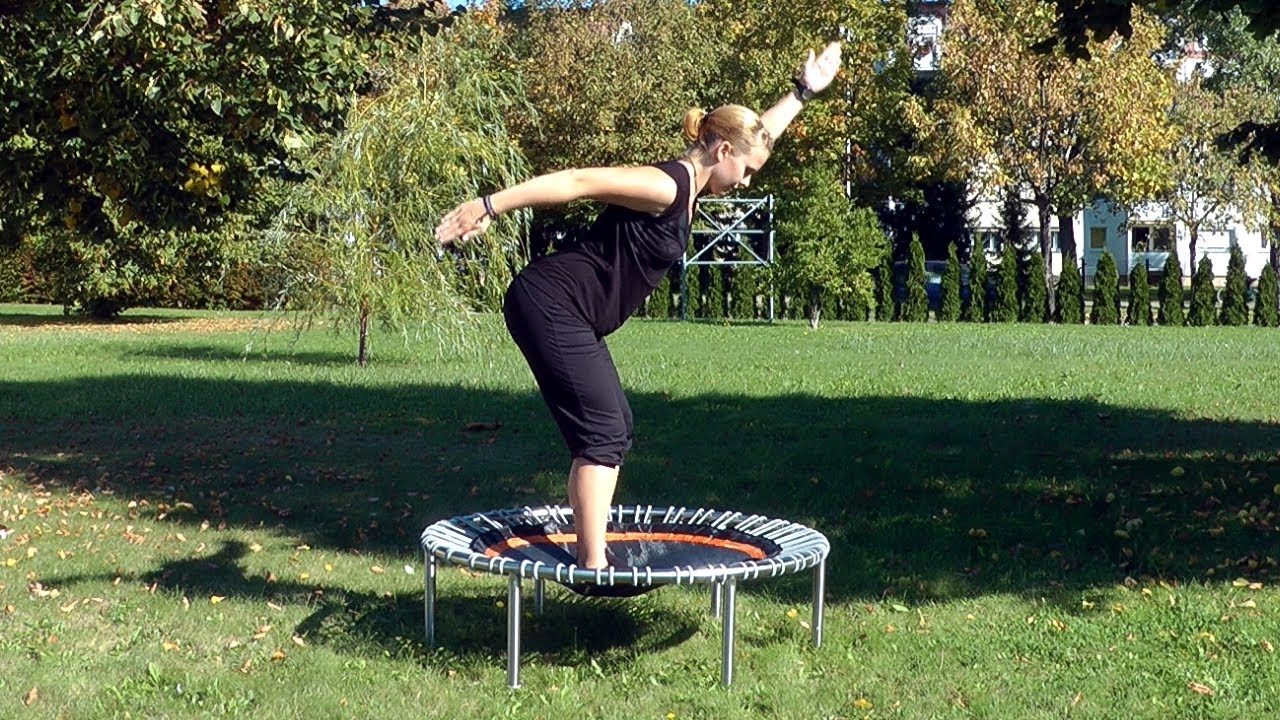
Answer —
(429, 599)
(715, 599)
(539, 593)
(730, 587)
(513, 632)
(819, 591)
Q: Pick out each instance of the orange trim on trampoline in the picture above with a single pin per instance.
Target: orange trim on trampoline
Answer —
(515, 543)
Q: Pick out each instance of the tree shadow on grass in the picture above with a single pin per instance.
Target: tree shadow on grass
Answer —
(40, 320)
(922, 499)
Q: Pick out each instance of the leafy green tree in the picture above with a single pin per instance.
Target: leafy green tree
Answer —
(356, 243)
(916, 306)
(1034, 306)
(1235, 305)
(1070, 308)
(136, 130)
(1018, 116)
(1139, 296)
(1106, 292)
(886, 307)
(1170, 293)
(1006, 300)
(949, 309)
(976, 309)
(829, 245)
(1265, 313)
(1202, 311)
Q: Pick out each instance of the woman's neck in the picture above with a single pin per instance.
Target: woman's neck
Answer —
(701, 172)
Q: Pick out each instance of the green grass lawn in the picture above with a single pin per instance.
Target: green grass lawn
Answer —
(1026, 522)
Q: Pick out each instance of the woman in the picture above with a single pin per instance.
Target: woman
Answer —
(560, 307)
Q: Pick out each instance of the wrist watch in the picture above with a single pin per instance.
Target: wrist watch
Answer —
(802, 91)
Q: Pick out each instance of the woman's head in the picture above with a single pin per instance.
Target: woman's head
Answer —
(731, 140)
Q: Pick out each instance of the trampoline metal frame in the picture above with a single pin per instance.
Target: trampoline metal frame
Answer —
(801, 548)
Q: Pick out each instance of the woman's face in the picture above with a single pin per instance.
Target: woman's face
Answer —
(734, 169)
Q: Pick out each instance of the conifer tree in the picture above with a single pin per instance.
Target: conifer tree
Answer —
(1106, 292)
(742, 293)
(659, 305)
(1265, 313)
(916, 306)
(1235, 306)
(1034, 307)
(1204, 297)
(1139, 296)
(886, 307)
(715, 295)
(1170, 293)
(976, 309)
(1069, 310)
(949, 308)
(1006, 303)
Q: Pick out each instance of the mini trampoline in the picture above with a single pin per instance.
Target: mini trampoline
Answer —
(649, 547)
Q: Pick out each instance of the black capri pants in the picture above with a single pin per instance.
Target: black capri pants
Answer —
(574, 371)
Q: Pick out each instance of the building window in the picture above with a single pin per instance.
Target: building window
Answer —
(1151, 238)
(1055, 241)
(992, 242)
(1097, 238)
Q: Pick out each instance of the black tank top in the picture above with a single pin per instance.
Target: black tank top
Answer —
(621, 259)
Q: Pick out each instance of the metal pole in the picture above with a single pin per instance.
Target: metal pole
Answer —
(730, 587)
(819, 592)
(513, 632)
(429, 597)
(715, 599)
(539, 593)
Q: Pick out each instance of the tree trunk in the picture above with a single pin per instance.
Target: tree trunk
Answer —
(815, 307)
(1191, 245)
(362, 356)
(1046, 251)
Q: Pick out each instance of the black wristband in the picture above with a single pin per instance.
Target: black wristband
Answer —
(488, 207)
(802, 91)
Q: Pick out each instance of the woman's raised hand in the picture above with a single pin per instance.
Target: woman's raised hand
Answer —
(818, 72)
(463, 222)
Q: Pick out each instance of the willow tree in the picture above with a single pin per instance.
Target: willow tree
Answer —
(356, 244)
(1066, 131)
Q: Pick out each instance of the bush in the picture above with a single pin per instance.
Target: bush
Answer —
(1170, 293)
(1139, 296)
(1204, 298)
(976, 309)
(1106, 292)
(949, 308)
(916, 307)
(1035, 292)
(1069, 310)
(1235, 305)
(1265, 313)
(1006, 307)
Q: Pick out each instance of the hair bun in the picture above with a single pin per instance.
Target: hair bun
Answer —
(693, 120)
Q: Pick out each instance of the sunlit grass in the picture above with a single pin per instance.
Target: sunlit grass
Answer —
(1026, 522)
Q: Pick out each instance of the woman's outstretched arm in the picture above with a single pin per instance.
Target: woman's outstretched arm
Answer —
(816, 74)
(642, 188)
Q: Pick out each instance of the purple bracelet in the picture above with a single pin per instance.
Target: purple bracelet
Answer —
(488, 207)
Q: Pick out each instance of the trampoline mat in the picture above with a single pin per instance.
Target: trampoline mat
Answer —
(630, 545)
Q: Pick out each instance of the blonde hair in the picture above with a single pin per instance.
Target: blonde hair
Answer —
(740, 126)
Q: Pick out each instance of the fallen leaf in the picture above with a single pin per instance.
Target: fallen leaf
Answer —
(863, 704)
(792, 613)
(376, 570)
(169, 645)
(244, 667)
(262, 632)
(1198, 688)
(299, 641)
(277, 655)
(31, 697)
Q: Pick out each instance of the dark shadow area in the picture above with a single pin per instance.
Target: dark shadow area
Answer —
(922, 499)
(31, 320)
(280, 353)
